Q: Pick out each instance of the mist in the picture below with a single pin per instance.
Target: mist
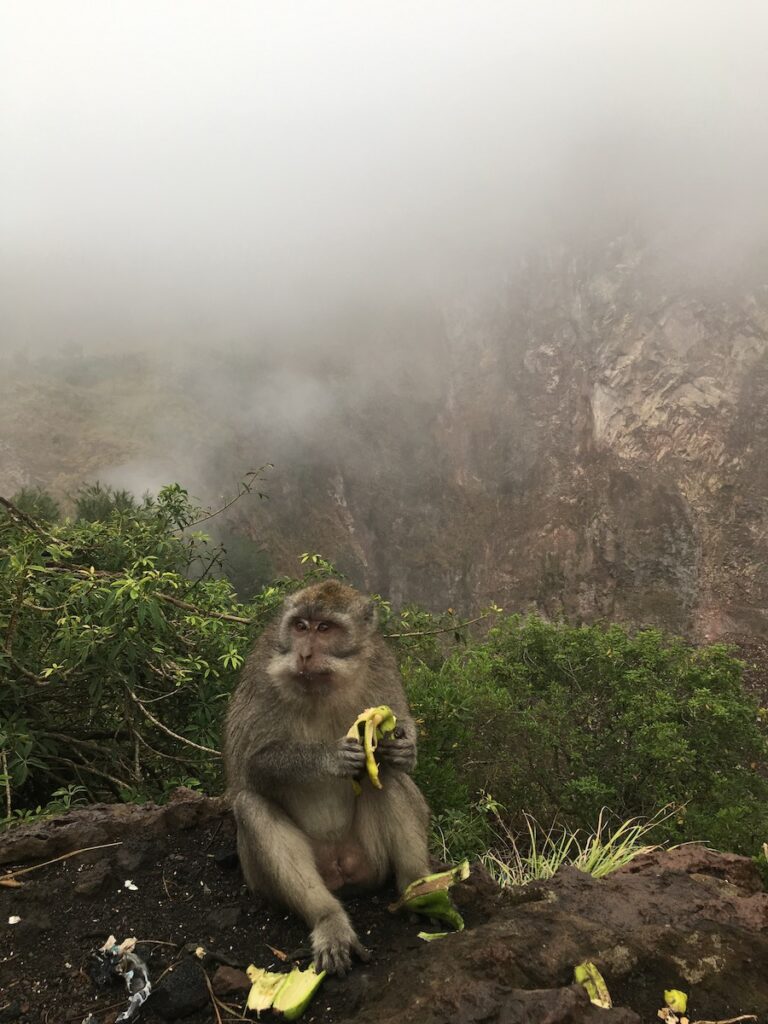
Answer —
(219, 175)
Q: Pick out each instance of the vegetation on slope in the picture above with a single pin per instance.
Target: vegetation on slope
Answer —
(120, 640)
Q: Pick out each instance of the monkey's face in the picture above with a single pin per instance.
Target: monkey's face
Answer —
(323, 639)
(318, 654)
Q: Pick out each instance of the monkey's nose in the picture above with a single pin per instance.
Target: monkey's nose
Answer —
(304, 659)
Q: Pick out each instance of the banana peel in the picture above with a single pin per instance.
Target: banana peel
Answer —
(289, 994)
(368, 728)
(264, 986)
(429, 896)
(295, 994)
(676, 1000)
(587, 974)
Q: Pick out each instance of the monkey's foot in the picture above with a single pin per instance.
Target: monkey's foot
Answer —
(333, 943)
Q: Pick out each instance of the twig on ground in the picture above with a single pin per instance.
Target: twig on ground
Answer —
(731, 1020)
(214, 1000)
(64, 856)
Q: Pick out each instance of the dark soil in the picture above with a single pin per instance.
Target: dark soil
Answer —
(690, 919)
(189, 893)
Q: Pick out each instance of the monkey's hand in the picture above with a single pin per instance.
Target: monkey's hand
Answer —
(333, 943)
(350, 759)
(397, 753)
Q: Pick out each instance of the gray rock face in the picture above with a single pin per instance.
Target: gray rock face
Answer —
(590, 443)
(585, 437)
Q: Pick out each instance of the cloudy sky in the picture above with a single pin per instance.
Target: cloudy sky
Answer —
(203, 169)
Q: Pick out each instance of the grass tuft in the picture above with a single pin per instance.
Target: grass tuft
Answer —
(519, 859)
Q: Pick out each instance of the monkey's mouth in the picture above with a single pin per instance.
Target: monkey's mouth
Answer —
(316, 676)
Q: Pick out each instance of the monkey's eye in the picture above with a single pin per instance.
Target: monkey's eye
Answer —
(323, 627)
(300, 626)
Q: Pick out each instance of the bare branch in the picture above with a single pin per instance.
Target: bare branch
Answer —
(244, 487)
(159, 753)
(25, 671)
(81, 766)
(199, 611)
(24, 519)
(165, 729)
(444, 629)
(8, 804)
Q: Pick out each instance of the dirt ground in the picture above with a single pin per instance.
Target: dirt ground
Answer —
(182, 896)
(690, 919)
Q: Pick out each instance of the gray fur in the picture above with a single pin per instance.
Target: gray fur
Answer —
(301, 829)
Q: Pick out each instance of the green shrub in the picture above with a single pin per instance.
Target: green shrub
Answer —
(560, 722)
(98, 502)
(116, 659)
(37, 503)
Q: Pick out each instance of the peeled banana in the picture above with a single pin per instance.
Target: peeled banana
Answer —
(368, 728)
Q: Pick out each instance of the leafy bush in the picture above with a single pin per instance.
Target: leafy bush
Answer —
(37, 503)
(559, 722)
(98, 502)
(116, 660)
(120, 644)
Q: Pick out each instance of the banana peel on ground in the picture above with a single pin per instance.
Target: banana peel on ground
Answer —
(429, 896)
(369, 727)
(587, 974)
(289, 994)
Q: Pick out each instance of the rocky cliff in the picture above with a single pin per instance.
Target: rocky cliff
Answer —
(586, 436)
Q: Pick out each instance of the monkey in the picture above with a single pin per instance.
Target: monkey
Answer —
(304, 838)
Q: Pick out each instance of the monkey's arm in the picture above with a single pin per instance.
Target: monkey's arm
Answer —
(296, 762)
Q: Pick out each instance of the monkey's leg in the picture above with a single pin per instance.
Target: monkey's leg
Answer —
(277, 860)
(393, 827)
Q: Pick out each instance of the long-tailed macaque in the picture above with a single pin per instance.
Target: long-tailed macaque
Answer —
(302, 833)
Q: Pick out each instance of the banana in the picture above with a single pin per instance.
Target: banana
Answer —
(368, 728)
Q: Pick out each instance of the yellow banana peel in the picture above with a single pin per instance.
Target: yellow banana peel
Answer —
(587, 974)
(289, 994)
(676, 1000)
(368, 728)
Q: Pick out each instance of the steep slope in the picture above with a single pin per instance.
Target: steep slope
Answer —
(586, 437)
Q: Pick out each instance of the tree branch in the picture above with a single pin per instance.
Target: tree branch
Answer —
(244, 487)
(165, 729)
(8, 803)
(23, 519)
(434, 632)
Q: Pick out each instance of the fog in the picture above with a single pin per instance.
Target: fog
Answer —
(188, 172)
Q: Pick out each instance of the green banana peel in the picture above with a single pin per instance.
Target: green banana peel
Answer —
(676, 1000)
(368, 728)
(289, 994)
(587, 974)
(295, 994)
(429, 896)
(431, 936)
